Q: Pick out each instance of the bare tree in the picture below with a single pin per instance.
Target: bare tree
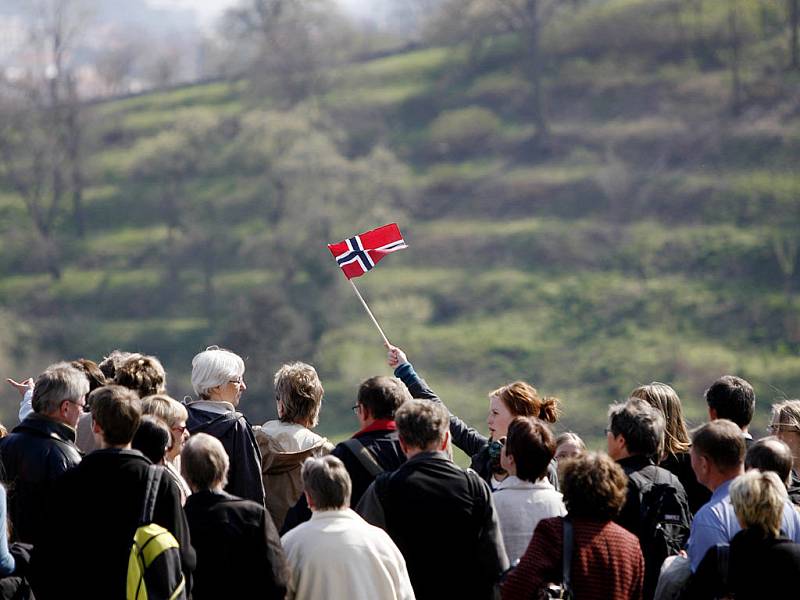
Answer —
(794, 26)
(115, 65)
(287, 44)
(40, 128)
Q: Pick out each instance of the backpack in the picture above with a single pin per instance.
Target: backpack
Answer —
(154, 566)
(665, 520)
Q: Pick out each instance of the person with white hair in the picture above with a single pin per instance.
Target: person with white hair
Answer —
(42, 447)
(337, 554)
(218, 381)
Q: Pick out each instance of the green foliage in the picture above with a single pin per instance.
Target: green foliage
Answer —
(652, 239)
(464, 130)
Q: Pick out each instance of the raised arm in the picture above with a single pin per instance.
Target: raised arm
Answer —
(468, 439)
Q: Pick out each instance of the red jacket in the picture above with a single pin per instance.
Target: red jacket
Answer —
(607, 562)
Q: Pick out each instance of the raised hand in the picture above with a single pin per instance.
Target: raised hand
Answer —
(395, 356)
(22, 386)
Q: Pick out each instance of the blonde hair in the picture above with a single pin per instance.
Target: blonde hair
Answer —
(299, 390)
(665, 399)
(758, 499)
(787, 413)
(165, 408)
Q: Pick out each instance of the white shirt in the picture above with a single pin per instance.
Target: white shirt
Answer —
(520, 506)
(339, 555)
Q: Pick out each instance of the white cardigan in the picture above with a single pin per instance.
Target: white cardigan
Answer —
(520, 506)
(339, 555)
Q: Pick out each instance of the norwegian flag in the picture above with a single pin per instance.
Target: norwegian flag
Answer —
(360, 253)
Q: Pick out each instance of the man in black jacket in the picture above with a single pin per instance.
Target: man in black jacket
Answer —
(656, 500)
(95, 509)
(233, 537)
(42, 447)
(440, 516)
(373, 449)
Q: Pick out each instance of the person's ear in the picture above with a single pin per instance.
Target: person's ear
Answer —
(95, 427)
(445, 440)
(712, 414)
(309, 500)
(403, 446)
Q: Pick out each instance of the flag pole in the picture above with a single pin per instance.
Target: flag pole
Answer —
(369, 312)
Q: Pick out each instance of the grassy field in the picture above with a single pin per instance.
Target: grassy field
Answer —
(645, 244)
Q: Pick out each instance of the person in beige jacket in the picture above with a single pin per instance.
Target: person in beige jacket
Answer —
(287, 442)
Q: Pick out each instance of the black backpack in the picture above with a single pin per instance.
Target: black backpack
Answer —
(665, 520)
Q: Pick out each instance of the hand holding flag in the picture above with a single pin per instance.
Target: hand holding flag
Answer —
(360, 253)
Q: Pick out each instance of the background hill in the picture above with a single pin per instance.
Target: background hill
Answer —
(637, 222)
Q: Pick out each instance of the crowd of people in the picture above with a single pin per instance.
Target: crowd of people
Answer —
(113, 489)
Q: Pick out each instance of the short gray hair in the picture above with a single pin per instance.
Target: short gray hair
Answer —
(214, 367)
(59, 382)
(640, 424)
(166, 408)
(327, 482)
(422, 423)
(204, 462)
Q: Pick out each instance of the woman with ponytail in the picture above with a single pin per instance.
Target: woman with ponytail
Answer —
(517, 399)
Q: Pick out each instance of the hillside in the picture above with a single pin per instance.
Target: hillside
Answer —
(653, 237)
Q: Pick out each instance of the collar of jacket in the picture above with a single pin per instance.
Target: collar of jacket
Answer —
(378, 425)
(630, 464)
(43, 426)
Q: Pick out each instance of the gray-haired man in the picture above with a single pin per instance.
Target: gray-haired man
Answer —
(337, 554)
(440, 516)
(42, 447)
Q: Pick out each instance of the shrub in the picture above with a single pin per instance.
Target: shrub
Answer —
(461, 130)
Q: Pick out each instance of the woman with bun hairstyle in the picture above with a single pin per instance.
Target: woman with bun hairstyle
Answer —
(517, 399)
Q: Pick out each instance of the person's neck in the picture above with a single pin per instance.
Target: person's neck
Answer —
(56, 418)
(411, 452)
(106, 446)
(718, 478)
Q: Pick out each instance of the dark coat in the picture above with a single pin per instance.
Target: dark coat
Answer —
(239, 441)
(442, 519)
(93, 513)
(239, 552)
(680, 465)
(34, 455)
(758, 568)
(632, 514)
(384, 447)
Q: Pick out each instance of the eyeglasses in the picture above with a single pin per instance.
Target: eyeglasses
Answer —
(179, 428)
(239, 381)
(355, 408)
(81, 405)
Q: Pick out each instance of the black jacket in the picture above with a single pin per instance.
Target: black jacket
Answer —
(758, 568)
(239, 441)
(384, 447)
(34, 455)
(633, 514)
(92, 516)
(239, 553)
(443, 520)
(680, 465)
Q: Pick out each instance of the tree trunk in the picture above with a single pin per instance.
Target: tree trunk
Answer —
(536, 62)
(736, 78)
(794, 26)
